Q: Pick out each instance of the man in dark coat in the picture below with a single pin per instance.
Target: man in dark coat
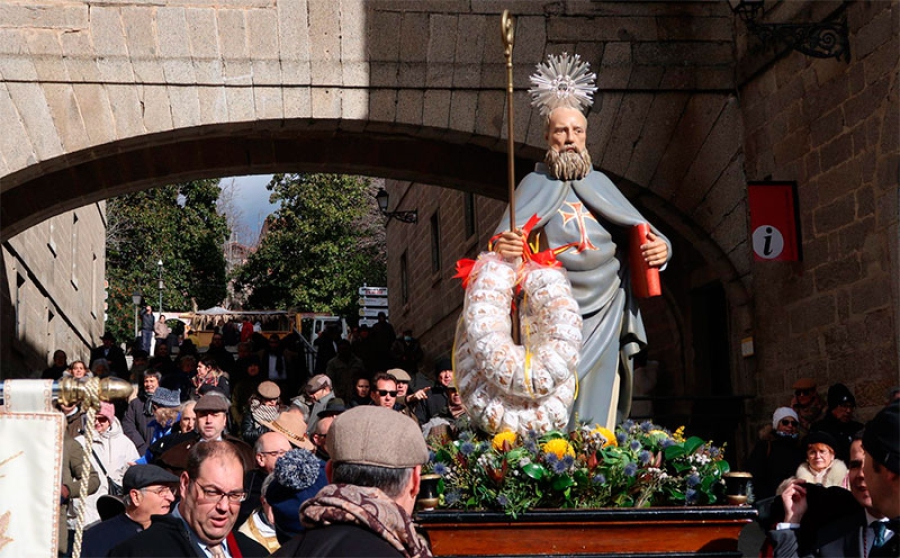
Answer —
(113, 354)
(211, 489)
(60, 365)
(149, 491)
(375, 467)
(135, 423)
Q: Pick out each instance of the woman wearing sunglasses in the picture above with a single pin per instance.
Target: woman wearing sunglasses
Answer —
(777, 454)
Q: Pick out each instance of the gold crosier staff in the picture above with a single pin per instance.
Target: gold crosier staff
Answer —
(507, 34)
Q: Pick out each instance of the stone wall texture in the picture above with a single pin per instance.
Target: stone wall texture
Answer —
(53, 294)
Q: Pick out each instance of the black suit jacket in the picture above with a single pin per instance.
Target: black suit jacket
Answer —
(168, 536)
(837, 539)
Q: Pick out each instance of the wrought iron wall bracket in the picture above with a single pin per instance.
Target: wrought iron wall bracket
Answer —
(820, 40)
(404, 216)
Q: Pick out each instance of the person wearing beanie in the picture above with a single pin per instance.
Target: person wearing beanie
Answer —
(366, 509)
(165, 403)
(838, 421)
(111, 453)
(807, 403)
(299, 475)
(777, 454)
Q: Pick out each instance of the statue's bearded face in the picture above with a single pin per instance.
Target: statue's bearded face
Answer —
(567, 157)
(569, 165)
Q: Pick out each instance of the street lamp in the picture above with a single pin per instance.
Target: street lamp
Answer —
(160, 264)
(136, 297)
(406, 216)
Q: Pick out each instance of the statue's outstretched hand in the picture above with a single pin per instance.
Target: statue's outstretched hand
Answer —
(510, 245)
(656, 251)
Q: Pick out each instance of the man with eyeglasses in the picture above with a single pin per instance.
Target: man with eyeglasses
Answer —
(839, 421)
(149, 491)
(268, 448)
(777, 454)
(211, 490)
(384, 392)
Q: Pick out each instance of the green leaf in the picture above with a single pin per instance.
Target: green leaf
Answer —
(674, 452)
(535, 471)
(692, 443)
(562, 482)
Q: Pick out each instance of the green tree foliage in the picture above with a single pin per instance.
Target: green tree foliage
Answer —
(324, 242)
(177, 224)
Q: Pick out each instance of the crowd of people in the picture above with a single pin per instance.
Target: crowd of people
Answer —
(223, 445)
(812, 476)
(240, 408)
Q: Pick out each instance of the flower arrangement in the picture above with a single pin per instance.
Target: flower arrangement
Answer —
(639, 465)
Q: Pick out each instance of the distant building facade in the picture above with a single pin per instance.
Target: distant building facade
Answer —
(55, 277)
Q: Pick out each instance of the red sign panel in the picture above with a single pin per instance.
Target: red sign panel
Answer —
(774, 221)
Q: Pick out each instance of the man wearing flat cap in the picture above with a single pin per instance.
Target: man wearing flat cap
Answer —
(376, 463)
(149, 490)
(319, 389)
(212, 418)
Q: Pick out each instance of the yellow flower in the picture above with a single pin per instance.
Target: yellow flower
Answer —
(607, 435)
(508, 438)
(678, 436)
(559, 447)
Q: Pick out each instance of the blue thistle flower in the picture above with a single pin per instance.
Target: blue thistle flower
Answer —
(620, 438)
(533, 434)
(452, 497)
(431, 455)
(568, 460)
(667, 442)
(466, 436)
(467, 448)
(630, 469)
(502, 500)
(628, 424)
(693, 480)
(646, 426)
(714, 452)
(483, 446)
(635, 445)
(531, 446)
(440, 469)
(560, 467)
(599, 479)
(690, 496)
(644, 457)
(550, 458)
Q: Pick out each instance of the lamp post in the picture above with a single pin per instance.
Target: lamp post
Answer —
(160, 264)
(382, 198)
(136, 297)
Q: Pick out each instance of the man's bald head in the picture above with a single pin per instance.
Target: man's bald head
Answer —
(269, 447)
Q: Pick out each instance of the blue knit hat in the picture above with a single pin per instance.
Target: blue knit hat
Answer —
(299, 475)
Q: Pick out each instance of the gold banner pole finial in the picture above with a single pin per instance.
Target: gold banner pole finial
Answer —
(507, 29)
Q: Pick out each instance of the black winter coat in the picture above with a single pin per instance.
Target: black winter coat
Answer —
(339, 541)
(167, 536)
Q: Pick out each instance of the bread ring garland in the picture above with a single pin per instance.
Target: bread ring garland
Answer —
(511, 387)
